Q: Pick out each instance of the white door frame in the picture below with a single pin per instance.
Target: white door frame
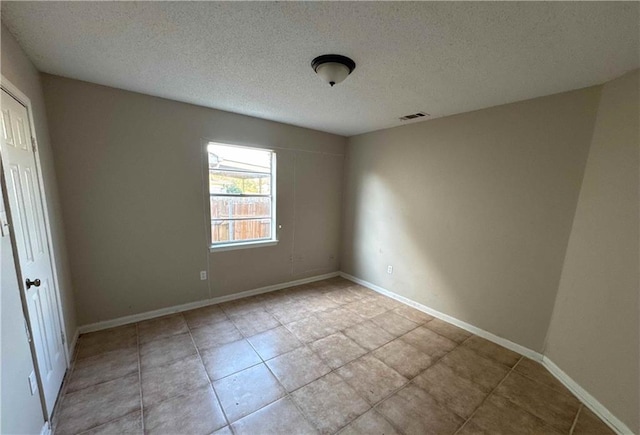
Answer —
(16, 93)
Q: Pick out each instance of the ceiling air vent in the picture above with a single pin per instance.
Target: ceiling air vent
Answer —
(413, 116)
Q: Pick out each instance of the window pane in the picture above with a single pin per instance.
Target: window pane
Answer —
(239, 158)
(242, 230)
(237, 183)
(238, 207)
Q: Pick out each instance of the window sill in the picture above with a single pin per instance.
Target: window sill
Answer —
(243, 245)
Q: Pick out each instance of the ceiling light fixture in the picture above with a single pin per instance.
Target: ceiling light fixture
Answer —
(333, 68)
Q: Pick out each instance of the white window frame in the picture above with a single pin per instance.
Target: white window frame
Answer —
(242, 244)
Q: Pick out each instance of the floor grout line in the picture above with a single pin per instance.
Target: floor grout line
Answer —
(204, 366)
(64, 391)
(268, 305)
(412, 380)
(53, 422)
(229, 317)
(263, 361)
(488, 395)
(140, 378)
(369, 352)
(575, 419)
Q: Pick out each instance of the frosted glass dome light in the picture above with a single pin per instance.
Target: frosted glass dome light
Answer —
(333, 68)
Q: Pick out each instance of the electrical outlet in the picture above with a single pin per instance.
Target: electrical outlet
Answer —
(389, 269)
(203, 275)
(33, 383)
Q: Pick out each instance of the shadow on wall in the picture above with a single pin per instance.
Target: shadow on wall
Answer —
(472, 211)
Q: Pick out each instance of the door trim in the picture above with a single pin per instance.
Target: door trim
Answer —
(16, 93)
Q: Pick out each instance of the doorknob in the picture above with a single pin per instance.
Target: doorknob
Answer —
(35, 282)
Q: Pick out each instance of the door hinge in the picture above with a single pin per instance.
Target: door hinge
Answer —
(63, 339)
(26, 329)
(33, 144)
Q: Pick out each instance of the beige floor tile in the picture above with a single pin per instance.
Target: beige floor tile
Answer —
(429, 342)
(130, 424)
(454, 392)
(310, 329)
(537, 372)
(247, 391)
(483, 371)
(337, 349)
(342, 296)
(165, 350)
(217, 334)
(171, 379)
(255, 322)
(336, 281)
(492, 350)
(274, 342)
(371, 378)
(340, 318)
(359, 290)
(470, 428)
(385, 302)
(393, 323)
(451, 373)
(298, 368)
(204, 316)
(414, 412)
(370, 423)
(403, 358)
(95, 343)
(589, 424)
(555, 408)
(330, 403)
(161, 327)
(368, 335)
(498, 415)
(224, 360)
(290, 311)
(92, 406)
(278, 299)
(242, 306)
(448, 330)
(412, 314)
(103, 367)
(280, 417)
(365, 308)
(319, 302)
(195, 412)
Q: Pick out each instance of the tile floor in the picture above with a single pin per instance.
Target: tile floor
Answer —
(326, 357)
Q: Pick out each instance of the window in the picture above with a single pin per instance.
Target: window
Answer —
(242, 195)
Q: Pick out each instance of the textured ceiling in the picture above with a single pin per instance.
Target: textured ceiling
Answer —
(253, 58)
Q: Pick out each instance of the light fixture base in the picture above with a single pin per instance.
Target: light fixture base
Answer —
(333, 68)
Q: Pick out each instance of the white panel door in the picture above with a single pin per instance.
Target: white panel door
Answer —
(29, 228)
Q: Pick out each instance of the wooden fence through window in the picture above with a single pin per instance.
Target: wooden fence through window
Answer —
(240, 219)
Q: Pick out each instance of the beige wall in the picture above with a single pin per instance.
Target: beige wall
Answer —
(21, 412)
(593, 335)
(473, 211)
(131, 182)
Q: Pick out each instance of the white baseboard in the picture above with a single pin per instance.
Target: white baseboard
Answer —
(591, 402)
(92, 327)
(447, 318)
